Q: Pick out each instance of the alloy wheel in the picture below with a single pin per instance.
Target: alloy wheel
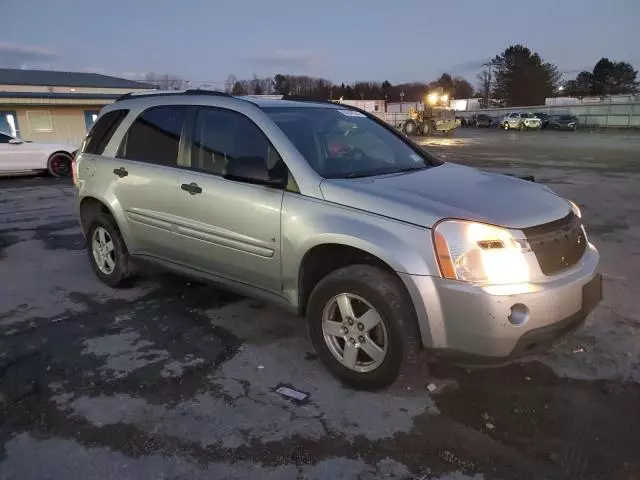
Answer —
(354, 332)
(103, 250)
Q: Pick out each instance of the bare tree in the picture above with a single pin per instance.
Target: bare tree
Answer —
(229, 83)
(484, 84)
(166, 81)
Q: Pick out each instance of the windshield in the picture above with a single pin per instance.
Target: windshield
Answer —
(342, 143)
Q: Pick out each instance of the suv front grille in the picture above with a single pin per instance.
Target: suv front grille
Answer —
(558, 245)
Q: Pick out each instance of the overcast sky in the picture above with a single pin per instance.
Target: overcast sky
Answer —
(400, 40)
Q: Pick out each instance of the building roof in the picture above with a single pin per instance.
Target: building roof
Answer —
(49, 78)
(61, 96)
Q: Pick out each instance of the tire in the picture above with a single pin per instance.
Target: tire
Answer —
(103, 228)
(397, 328)
(410, 127)
(428, 128)
(506, 126)
(60, 164)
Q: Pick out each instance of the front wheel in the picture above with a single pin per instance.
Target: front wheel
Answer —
(506, 126)
(362, 326)
(410, 127)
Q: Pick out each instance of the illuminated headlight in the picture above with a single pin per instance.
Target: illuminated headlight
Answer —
(576, 210)
(479, 253)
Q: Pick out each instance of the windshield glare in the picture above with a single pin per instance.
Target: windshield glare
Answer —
(342, 143)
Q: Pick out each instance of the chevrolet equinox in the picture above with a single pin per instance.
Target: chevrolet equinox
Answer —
(323, 209)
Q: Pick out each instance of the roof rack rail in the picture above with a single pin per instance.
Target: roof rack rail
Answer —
(301, 98)
(153, 93)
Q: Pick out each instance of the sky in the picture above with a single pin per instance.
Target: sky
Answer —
(402, 40)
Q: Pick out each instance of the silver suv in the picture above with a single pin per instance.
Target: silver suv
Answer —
(331, 213)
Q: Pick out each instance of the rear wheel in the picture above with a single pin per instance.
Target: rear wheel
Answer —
(363, 327)
(428, 128)
(108, 253)
(60, 164)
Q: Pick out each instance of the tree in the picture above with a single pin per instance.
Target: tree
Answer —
(611, 78)
(522, 78)
(445, 82)
(580, 87)
(485, 77)
(166, 81)
(229, 83)
(239, 89)
(462, 88)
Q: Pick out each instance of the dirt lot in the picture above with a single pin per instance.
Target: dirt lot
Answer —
(173, 379)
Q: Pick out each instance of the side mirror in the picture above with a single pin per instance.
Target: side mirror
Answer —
(254, 170)
(15, 141)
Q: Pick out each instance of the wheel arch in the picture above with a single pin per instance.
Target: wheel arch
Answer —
(324, 258)
(91, 206)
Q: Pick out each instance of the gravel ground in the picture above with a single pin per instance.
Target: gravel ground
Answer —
(174, 379)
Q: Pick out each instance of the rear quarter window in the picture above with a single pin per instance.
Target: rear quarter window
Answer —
(102, 131)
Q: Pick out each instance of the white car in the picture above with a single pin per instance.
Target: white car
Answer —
(19, 156)
(520, 121)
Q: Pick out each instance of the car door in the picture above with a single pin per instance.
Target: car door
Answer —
(16, 155)
(230, 228)
(5, 148)
(145, 180)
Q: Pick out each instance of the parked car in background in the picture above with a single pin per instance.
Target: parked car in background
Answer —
(18, 156)
(544, 119)
(520, 121)
(563, 122)
(331, 213)
(482, 120)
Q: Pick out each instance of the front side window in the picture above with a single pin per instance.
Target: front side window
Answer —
(341, 143)
(221, 136)
(154, 137)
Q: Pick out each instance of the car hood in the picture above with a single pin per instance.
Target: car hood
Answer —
(450, 191)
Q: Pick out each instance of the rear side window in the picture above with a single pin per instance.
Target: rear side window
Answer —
(155, 136)
(102, 131)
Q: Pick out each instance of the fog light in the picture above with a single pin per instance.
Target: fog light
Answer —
(519, 314)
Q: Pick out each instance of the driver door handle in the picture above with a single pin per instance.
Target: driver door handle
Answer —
(192, 188)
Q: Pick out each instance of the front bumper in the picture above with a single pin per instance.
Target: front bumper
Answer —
(464, 321)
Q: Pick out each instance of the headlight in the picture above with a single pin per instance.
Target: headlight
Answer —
(480, 253)
(576, 209)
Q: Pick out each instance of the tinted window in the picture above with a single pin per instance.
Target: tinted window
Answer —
(223, 135)
(155, 136)
(4, 138)
(346, 143)
(101, 132)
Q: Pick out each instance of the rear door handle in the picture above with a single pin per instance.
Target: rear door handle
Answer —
(192, 188)
(121, 172)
